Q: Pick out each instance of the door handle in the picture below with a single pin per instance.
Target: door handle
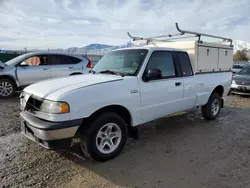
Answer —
(45, 68)
(177, 83)
(70, 67)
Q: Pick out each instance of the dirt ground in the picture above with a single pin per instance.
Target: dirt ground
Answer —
(182, 151)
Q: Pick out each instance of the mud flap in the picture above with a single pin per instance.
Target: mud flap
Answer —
(222, 103)
(134, 133)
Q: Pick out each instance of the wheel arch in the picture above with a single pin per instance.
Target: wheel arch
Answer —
(218, 89)
(10, 78)
(119, 109)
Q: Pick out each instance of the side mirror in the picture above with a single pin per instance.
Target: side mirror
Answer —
(23, 64)
(153, 74)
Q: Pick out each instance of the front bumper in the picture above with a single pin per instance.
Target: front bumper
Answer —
(240, 89)
(51, 135)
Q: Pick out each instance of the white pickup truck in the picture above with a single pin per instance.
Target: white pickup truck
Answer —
(127, 88)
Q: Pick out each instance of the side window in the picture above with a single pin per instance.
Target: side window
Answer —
(75, 60)
(59, 60)
(185, 63)
(35, 61)
(164, 62)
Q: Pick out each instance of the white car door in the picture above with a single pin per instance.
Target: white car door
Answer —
(162, 96)
(30, 70)
(62, 65)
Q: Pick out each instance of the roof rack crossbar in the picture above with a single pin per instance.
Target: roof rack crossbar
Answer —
(181, 32)
(172, 39)
(202, 34)
(149, 38)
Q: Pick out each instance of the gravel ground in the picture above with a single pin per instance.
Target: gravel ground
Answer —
(181, 151)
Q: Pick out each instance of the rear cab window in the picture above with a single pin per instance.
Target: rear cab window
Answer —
(185, 64)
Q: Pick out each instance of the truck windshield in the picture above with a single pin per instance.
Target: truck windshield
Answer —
(125, 62)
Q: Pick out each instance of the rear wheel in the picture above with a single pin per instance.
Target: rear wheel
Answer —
(105, 137)
(212, 109)
(7, 88)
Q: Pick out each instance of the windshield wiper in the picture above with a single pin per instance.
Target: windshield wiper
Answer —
(112, 72)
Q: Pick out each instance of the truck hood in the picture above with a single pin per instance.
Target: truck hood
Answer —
(60, 86)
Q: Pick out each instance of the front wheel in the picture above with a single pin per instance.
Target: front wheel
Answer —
(105, 137)
(7, 88)
(212, 109)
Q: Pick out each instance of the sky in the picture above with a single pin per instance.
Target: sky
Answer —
(77, 23)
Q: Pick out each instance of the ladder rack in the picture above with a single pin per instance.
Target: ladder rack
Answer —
(162, 38)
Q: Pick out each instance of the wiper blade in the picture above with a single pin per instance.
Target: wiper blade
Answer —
(112, 72)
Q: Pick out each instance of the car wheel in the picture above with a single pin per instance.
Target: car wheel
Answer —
(105, 137)
(7, 88)
(212, 109)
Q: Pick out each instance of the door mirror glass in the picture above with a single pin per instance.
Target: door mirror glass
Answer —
(153, 74)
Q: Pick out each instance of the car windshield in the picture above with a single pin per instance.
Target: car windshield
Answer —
(125, 62)
(245, 71)
(16, 59)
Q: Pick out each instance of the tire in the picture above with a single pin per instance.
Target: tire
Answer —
(7, 88)
(210, 111)
(93, 139)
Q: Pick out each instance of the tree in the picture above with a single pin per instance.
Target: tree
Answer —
(240, 55)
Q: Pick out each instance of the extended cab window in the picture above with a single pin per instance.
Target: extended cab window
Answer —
(185, 63)
(162, 61)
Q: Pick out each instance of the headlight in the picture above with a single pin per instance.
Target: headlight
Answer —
(233, 82)
(52, 107)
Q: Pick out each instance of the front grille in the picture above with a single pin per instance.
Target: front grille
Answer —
(241, 90)
(33, 105)
(247, 83)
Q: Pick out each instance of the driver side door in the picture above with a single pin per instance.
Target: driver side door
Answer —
(163, 96)
(33, 69)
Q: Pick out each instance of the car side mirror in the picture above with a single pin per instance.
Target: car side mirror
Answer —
(153, 74)
(23, 64)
